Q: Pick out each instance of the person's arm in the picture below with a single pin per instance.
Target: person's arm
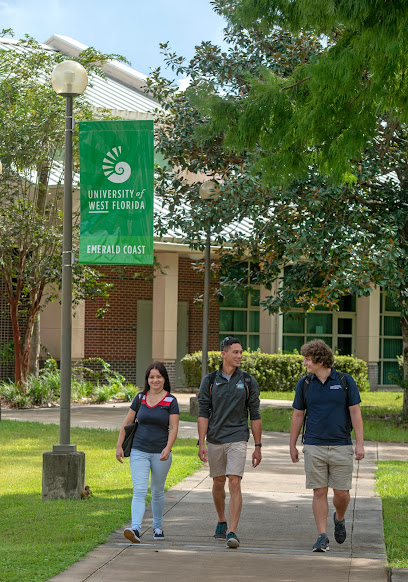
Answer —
(130, 417)
(357, 422)
(204, 404)
(295, 428)
(173, 430)
(202, 425)
(256, 429)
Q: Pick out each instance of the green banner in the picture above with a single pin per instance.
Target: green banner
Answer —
(116, 161)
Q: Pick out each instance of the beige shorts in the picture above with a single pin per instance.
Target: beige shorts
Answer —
(329, 466)
(227, 459)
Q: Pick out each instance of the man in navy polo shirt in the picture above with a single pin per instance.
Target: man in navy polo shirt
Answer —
(328, 450)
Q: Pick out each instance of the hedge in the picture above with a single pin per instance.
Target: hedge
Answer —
(273, 372)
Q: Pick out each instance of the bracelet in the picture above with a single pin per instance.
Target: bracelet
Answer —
(258, 444)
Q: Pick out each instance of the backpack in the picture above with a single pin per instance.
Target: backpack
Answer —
(344, 385)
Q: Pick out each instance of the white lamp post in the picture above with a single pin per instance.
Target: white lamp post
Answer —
(69, 79)
(208, 191)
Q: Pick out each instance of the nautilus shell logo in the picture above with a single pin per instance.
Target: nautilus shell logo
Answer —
(114, 169)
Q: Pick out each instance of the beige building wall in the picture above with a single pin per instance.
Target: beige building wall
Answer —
(165, 300)
(268, 325)
(50, 331)
(368, 325)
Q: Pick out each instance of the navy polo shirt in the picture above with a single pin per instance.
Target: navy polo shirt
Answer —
(327, 420)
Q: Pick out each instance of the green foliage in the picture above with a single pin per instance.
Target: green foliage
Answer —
(276, 372)
(325, 113)
(98, 385)
(128, 392)
(100, 372)
(63, 531)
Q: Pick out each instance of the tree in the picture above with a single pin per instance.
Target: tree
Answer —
(326, 112)
(190, 158)
(31, 142)
(337, 239)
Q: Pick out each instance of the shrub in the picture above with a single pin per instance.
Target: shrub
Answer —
(273, 372)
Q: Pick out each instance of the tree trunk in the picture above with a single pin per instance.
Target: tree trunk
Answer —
(33, 368)
(404, 329)
(17, 343)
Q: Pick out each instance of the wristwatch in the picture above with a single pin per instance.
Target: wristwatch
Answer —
(258, 444)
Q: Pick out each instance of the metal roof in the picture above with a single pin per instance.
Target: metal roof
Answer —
(121, 91)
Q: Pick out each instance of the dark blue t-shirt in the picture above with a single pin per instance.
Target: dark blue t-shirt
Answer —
(327, 420)
(153, 423)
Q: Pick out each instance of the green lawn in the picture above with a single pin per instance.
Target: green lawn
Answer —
(39, 538)
(392, 485)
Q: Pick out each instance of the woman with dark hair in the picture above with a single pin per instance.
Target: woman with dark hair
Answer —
(158, 420)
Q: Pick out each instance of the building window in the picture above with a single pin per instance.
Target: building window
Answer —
(239, 308)
(390, 341)
(337, 328)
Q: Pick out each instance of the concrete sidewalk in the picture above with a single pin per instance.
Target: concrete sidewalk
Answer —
(276, 530)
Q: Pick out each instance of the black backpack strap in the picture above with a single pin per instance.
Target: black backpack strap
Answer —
(211, 378)
(247, 383)
(344, 385)
(305, 386)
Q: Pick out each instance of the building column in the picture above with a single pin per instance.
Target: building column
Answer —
(268, 324)
(165, 301)
(368, 325)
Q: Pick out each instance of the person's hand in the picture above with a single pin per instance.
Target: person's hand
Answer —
(202, 453)
(256, 457)
(294, 454)
(119, 454)
(165, 454)
(359, 452)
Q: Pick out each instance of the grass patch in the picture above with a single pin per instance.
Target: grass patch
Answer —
(42, 538)
(381, 414)
(392, 485)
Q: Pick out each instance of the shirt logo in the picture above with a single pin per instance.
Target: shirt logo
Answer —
(240, 385)
(335, 387)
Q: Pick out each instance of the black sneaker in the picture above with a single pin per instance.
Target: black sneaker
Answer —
(322, 543)
(232, 540)
(339, 529)
(221, 530)
(158, 534)
(132, 535)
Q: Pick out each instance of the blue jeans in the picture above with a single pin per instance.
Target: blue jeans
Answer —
(141, 464)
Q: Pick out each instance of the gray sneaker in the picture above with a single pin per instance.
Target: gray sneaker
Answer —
(322, 543)
(339, 529)
(232, 540)
(221, 530)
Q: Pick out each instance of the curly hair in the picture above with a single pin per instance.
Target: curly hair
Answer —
(318, 351)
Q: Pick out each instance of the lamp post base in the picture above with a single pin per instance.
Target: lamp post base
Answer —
(63, 475)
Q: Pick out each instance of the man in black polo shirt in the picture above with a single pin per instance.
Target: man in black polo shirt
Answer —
(223, 403)
(328, 450)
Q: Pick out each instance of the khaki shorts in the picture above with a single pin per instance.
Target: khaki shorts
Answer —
(227, 459)
(329, 466)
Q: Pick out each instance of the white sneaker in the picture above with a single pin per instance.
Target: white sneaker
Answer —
(158, 534)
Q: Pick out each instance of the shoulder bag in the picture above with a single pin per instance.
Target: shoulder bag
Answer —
(130, 430)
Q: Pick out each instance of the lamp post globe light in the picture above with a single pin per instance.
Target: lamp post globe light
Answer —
(64, 467)
(210, 192)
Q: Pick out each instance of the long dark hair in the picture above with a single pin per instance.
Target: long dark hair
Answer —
(161, 368)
